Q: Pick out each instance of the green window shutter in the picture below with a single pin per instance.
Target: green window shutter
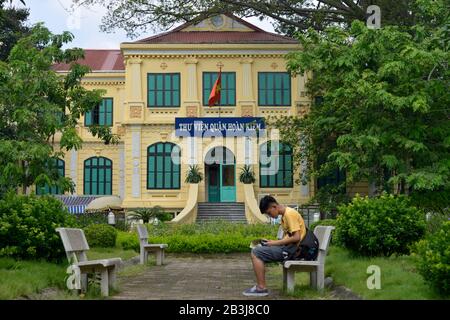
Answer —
(228, 91)
(159, 82)
(163, 90)
(98, 176)
(109, 111)
(162, 172)
(274, 89)
(102, 113)
(88, 118)
(206, 87)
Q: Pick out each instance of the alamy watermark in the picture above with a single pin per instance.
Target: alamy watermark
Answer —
(374, 280)
(374, 20)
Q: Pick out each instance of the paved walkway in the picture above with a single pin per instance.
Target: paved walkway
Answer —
(197, 277)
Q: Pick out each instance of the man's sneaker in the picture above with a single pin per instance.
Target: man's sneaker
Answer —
(255, 292)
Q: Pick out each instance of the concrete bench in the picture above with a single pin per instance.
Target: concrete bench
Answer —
(76, 246)
(146, 247)
(315, 268)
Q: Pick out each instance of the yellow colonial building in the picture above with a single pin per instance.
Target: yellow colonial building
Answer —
(156, 100)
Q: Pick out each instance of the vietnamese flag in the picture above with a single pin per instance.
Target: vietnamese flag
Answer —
(214, 96)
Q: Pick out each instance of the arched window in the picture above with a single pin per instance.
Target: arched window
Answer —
(163, 166)
(275, 165)
(98, 176)
(56, 164)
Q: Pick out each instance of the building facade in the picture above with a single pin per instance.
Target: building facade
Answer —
(156, 100)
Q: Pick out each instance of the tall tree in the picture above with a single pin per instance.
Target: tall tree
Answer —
(36, 104)
(289, 16)
(385, 114)
(12, 27)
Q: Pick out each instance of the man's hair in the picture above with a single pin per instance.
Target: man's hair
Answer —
(265, 203)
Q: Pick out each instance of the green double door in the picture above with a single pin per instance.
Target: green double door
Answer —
(221, 182)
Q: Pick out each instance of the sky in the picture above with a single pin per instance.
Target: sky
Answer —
(85, 23)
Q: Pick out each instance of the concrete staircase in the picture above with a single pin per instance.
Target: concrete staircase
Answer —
(229, 211)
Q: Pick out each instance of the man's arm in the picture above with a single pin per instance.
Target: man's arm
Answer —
(292, 239)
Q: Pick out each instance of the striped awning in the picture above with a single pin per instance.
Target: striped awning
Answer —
(76, 204)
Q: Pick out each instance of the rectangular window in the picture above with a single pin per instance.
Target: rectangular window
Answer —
(101, 115)
(163, 90)
(274, 89)
(228, 91)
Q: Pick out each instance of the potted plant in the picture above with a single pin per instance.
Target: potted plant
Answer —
(247, 176)
(194, 175)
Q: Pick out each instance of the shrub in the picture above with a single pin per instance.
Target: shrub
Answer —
(325, 222)
(128, 241)
(27, 227)
(379, 226)
(101, 235)
(86, 219)
(211, 237)
(434, 259)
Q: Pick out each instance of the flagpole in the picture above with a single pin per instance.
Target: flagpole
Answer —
(220, 71)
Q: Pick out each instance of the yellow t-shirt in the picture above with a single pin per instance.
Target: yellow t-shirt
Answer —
(293, 221)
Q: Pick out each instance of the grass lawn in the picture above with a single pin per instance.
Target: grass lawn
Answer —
(399, 279)
(28, 278)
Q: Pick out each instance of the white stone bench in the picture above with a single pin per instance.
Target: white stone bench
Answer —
(75, 245)
(315, 268)
(145, 247)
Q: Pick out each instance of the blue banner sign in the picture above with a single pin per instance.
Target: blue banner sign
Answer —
(226, 127)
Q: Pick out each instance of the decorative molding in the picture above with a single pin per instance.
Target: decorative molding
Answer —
(246, 60)
(99, 82)
(191, 111)
(133, 60)
(191, 60)
(220, 64)
(163, 65)
(302, 108)
(135, 112)
(121, 130)
(247, 111)
(274, 65)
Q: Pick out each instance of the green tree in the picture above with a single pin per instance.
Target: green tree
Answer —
(12, 27)
(384, 113)
(36, 104)
(288, 16)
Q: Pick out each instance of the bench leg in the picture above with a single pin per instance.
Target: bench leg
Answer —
(160, 257)
(313, 279)
(320, 277)
(143, 256)
(112, 277)
(84, 282)
(288, 280)
(104, 282)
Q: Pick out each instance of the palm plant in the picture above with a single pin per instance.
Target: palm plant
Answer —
(146, 214)
(247, 175)
(194, 175)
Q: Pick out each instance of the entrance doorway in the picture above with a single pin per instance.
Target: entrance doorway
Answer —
(220, 169)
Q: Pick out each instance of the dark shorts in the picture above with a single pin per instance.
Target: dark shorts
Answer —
(273, 253)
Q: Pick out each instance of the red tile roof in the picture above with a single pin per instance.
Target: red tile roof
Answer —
(198, 37)
(98, 60)
(256, 36)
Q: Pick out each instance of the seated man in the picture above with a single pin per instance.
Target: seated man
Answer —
(276, 250)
